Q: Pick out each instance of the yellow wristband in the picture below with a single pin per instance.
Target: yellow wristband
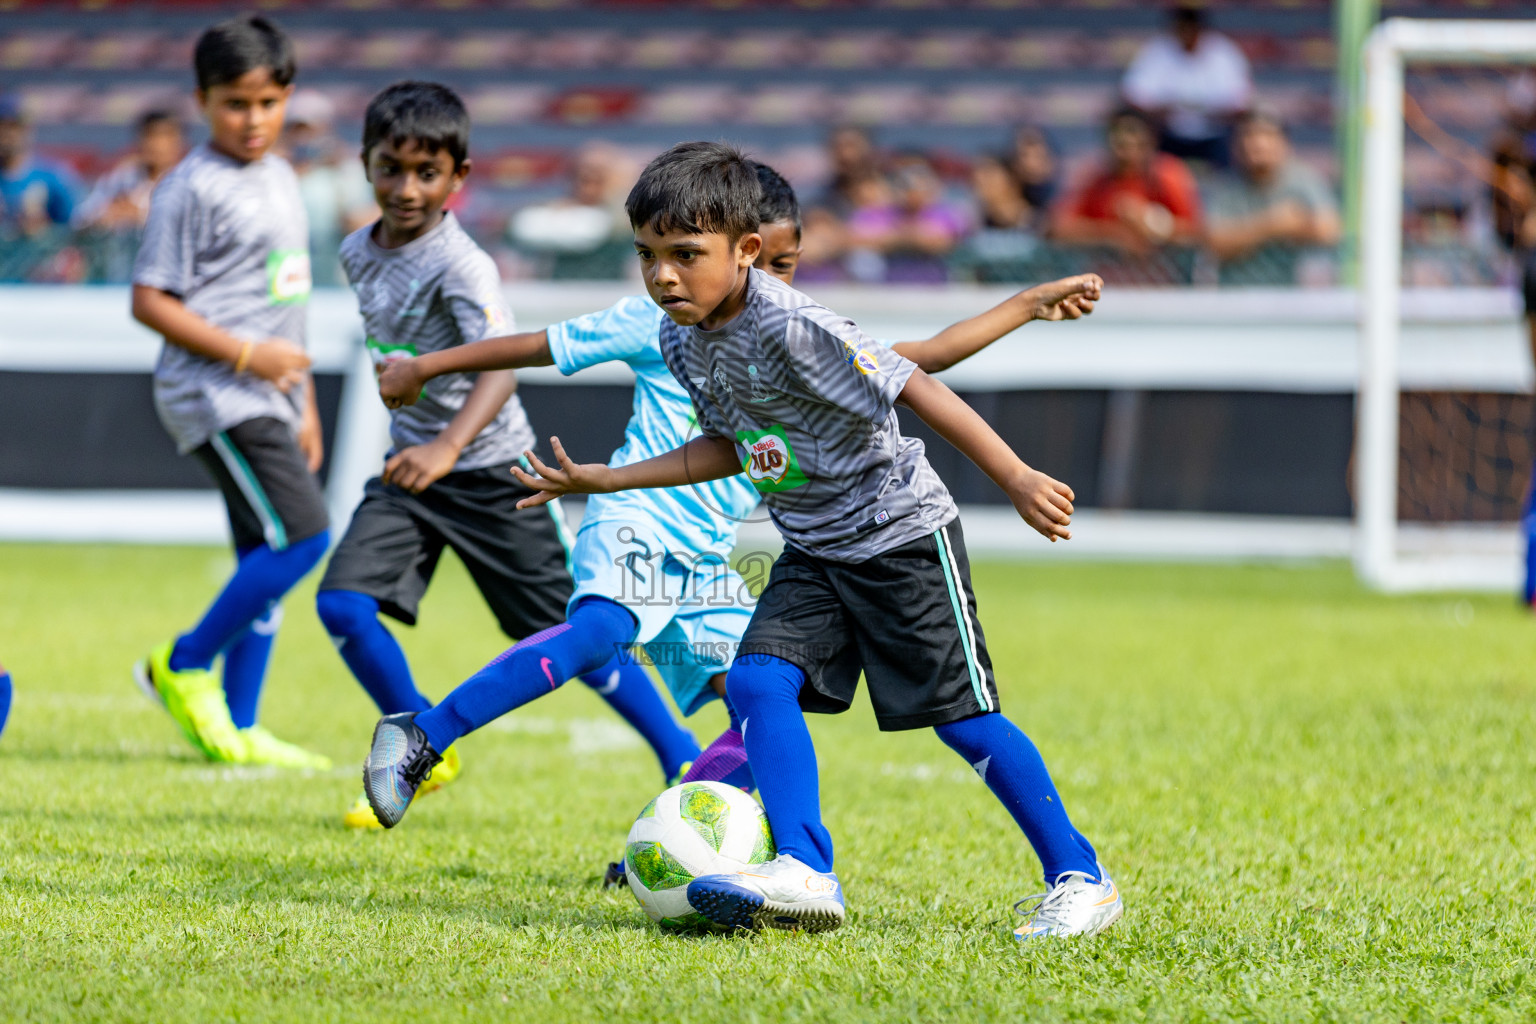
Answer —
(244, 359)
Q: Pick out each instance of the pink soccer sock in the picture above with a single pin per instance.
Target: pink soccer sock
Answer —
(724, 760)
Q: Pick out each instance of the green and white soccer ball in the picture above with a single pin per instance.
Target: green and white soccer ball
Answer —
(698, 828)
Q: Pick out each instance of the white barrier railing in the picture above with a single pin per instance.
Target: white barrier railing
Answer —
(1282, 340)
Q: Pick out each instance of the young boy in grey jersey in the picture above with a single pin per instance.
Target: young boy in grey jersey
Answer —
(423, 285)
(223, 275)
(873, 577)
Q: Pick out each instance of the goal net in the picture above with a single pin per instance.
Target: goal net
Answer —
(1444, 448)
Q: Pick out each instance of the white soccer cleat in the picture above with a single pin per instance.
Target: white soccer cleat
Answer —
(783, 893)
(1075, 905)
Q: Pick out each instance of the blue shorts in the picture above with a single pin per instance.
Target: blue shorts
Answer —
(692, 609)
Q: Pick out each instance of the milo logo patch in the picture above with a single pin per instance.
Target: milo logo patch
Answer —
(384, 353)
(769, 460)
(288, 278)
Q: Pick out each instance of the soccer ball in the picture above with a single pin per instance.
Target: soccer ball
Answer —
(698, 828)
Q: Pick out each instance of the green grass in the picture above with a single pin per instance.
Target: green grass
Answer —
(1318, 803)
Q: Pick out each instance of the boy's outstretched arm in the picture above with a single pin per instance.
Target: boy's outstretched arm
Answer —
(276, 359)
(421, 465)
(1067, 299)
(400, 382)
(698, 461)
(1045, 504)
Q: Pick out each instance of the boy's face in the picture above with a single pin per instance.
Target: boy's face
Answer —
(780, 254)
(245, 116)
(411, 183)
(690, 276)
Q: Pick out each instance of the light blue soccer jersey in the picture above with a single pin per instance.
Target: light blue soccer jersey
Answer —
(696, 519)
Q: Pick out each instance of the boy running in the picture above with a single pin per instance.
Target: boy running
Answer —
(223, 275)
(608, 569)
(424, 286)
(648, 551)
(873, 577)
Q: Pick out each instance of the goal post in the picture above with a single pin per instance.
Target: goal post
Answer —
(1379, 552)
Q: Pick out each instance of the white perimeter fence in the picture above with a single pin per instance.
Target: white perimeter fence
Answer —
(1282, 341)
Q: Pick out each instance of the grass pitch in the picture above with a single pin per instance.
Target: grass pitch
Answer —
(1318, 803)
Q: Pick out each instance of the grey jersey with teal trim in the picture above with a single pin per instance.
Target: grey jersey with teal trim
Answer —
(231, 241)
(808, 398)
(435, 292)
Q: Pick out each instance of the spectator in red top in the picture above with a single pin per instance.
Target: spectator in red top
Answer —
(1139, 201)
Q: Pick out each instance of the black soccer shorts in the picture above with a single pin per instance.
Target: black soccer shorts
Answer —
(518, 558)
(271, 496)
(905, 618)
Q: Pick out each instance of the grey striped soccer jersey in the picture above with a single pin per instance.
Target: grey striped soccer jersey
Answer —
(808, 399)
(229, 239)
(435, 292)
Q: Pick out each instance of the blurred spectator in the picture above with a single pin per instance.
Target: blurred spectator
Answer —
(36, 195)
(1014, 190)
(851, 154)
(1192, 82)
(904, 231)
(585, 234)
(1513, 170)
(1034, 166)
(1274, 207)
(111, 216)
(1512, 180)
(1137, 201)
(1012, 193)
(119, 201)
(337, 197)
(1000, 201)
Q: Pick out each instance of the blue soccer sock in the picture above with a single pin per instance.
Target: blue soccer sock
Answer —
(370, 650)
(766, 691)
(260, 581)
(1012, 768)
(626, 687)
(5, 697)
(534, 667)
(245, 667)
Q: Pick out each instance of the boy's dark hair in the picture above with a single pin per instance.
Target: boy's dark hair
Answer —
(700, 188)
(779, 201)
(428, 114)
(235, 47)
(158, 116)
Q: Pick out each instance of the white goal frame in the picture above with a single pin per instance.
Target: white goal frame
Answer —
(1447, 561)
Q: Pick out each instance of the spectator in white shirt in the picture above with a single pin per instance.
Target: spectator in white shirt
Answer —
(120, 199)
(1193, 81)
(585, 233)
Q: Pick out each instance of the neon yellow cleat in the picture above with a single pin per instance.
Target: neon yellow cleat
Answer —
(194, 699)
(261, 747)
(444, 772)
(360, 815)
